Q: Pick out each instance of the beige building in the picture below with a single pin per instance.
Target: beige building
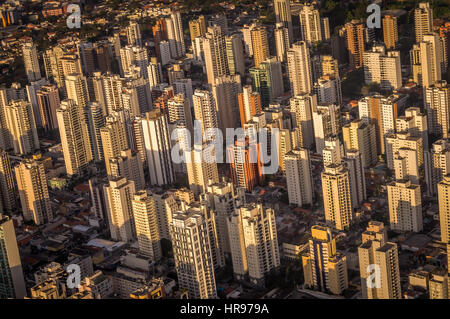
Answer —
(378, 264)
(193, 254)
(405, 146)
(337, 196)
(415, 122)
(324, 268)
(327, 123)
(437, 105)
(423, 20)
(301, 108)
(300, 70)
(405, 206)
(33, 191)
(223, 199)
(31, 62)
(22, 127)
(146, 222)
(13, 283)
(214, 52)
(431, 59)
(383, 67)
(201, 167)
(129, 165)
(361, 136)
(253, 242)
(283, 15)
(260, 44)
(118, 195)
(74, 138)
(114, 140)
(444, 208)
(197, 27)
(299, 178)
(165, 205)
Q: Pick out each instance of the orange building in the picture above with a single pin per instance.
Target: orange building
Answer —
(355, 43)
(246, 170)
(249, 104)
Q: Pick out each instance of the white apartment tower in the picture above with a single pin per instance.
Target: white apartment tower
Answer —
(253, 242)
(300, 71)
(299, 178)
(119, 194)
(192, 253)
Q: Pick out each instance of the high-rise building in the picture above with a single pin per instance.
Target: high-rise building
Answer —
(437, 164)
(400, 143)
(166, 205)
(333, 152)
(326, 122)
(134, 58)
(353, 162)
(423, 20)
(129, 165)
(33, 191)
(74, 138)
(383, 67)
(146, 221)
(283, 15)
(197, 27)
(95, 121)
(355, 33)
(119, 194)
(7, 185)
(337, 196)
(193, 254)
(201, 167)
(390, 31)
(134, 36)
(383, 113)
(301, 108)
(260, 44)
(222, 198)
(48, 103)
(157, 145)
(215, 53)
(299, 178)
(415, 122)
(313, 28)
(299, 65)
(324, 268)
(405, 206)
(282, 42)
(175, 35)
(249, 104)
(328, 90)
(235, 54)
(205, 110)
(443, 189)
(77, 89)
(267, 80)
(31, 62)
(22, 127)
(376, 251)
(431, 59)
(361, 136)
(225, 91)
(437, 105)
(12, 283)
(253, 242)
(114, 140)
